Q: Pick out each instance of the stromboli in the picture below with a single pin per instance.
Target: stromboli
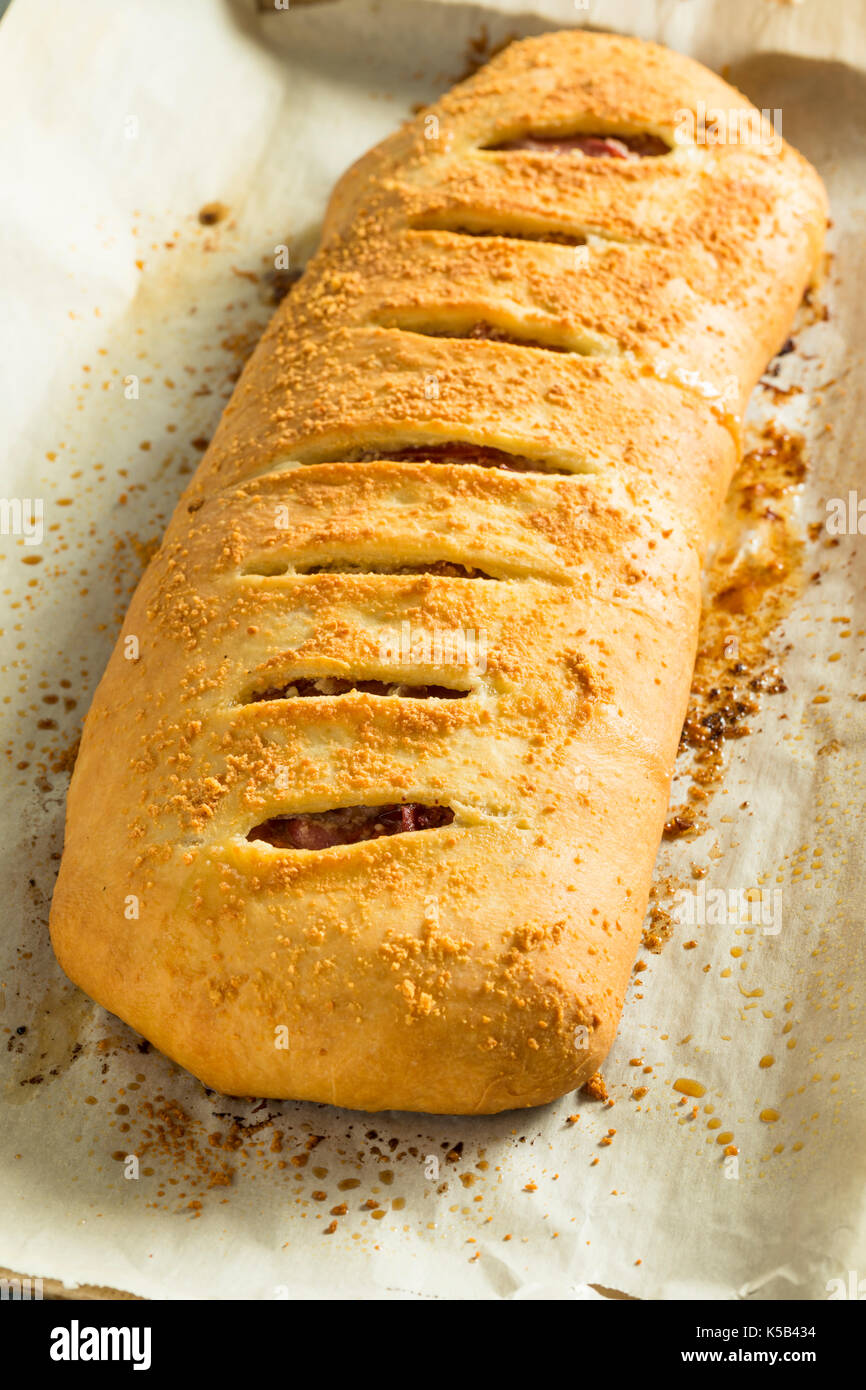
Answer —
(502, 399)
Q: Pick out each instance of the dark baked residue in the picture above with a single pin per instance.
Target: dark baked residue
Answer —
(348, 825)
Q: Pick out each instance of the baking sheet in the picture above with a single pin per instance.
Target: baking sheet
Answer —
(127, 321)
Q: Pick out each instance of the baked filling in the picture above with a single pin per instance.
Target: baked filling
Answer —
(348, 825)
(596, 146)
(483, 332)
(306, 687)
(447, 569)
(458, 452)
(455, 223)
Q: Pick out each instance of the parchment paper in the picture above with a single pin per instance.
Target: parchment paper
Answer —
(126, 321)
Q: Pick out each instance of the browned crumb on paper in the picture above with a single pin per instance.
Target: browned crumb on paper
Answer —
(750, 589)
(65, 758)
(277, 284)
(834, 746)
(481, 49)
(755, 573)
(659, 924)
(143, 550)
(212, 213)
(684, 823)
(595, 1088)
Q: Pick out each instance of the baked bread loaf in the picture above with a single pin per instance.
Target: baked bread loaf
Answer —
(368, 800)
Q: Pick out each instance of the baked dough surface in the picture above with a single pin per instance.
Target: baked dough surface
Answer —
(597, 321)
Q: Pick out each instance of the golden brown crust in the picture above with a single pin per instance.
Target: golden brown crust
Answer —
(481, 964)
